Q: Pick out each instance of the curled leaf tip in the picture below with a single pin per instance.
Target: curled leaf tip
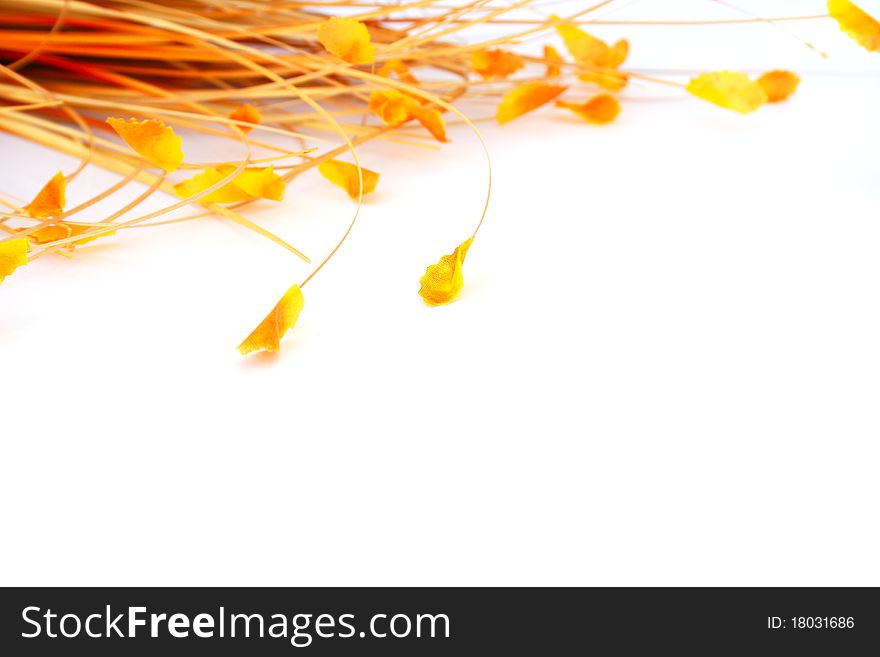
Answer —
(348, 39)
(442, 282)
(600, 109)
(246, 114)
(860, 26)
(778, 85)
(151, 139)
(729, 89)
(267, 336)
(345, 175)
(525, 98)
(13, 254)
(49, 201)
(395, 108)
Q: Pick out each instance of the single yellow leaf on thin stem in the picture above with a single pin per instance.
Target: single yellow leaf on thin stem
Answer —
(13, 254)
(442, 282)
(728, 89)
(345, 175)
(49, 201)
(267, 336)
(151, 139)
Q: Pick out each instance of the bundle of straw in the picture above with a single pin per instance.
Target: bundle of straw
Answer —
(290, 88)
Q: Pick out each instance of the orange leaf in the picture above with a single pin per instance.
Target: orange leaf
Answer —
(50, 200)
(13, 254)
(728, 89)
(554, 62)
(152, 139)
(778, 85)
(496, 63)
(348, 39)
(395, 108)
(860, 26)
(250, 184)
(346, 176)
(267, 336)
(600, 109)
(442, 282)
(402, 70)
(246, 113)
(63, 230)
(525, 98)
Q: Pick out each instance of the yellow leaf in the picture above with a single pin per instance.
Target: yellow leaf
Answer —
(13, 254)
(778, 85)
(267, 336)
(250, 184)
(345, 175)
(860, 26)
(63, 230)
(554, 62)
(600, 109)
(442, 282)
(728, 89)
(152, 139)
(525, 98)
(246, 113)
(50, 200)
(348, 39)
(395, 108)
(496, 63)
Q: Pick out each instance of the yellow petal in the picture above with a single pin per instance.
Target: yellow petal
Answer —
(860, 26)
(442, 282)
(267, 336)
(152, 139)
(728, 89)
(258, 182)
(496, 63)
(13, 254)
(347, 38)
(778, 85)
(554, 62)
(246, 113)
(250, 184)
(50, 200)
(345, 175)
(63, 230)
(432, 121)
(525, 98)
(600, 109)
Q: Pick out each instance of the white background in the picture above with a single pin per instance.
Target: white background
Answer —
(664, 368)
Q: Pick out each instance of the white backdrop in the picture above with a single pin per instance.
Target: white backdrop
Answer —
(663, 369)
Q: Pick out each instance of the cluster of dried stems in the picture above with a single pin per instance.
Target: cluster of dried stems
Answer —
(68, 64)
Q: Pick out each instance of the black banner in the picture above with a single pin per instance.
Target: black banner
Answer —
(446, 621)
